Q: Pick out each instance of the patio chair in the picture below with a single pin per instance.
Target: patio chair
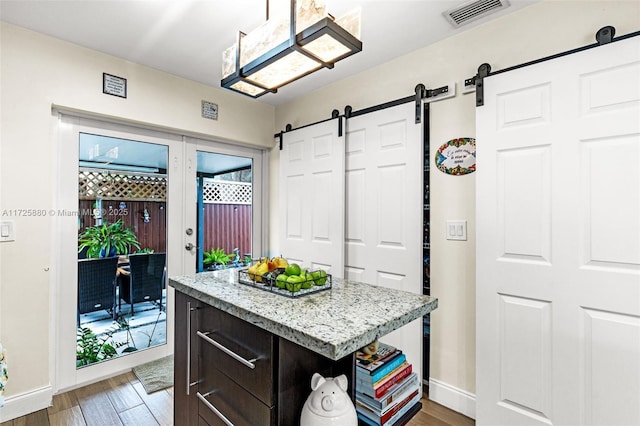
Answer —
(146, 279)
(96, 285)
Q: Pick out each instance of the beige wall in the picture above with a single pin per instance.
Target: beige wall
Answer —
(38, 71)
(533, 32)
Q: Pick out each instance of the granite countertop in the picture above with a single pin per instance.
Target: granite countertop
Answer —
(333, 323)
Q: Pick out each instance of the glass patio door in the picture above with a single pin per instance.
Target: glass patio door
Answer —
(118, 189)
(122, 251)
(224, 185)
(148, 179)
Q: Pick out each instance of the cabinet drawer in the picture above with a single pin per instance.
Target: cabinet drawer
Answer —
(231, 401)
(239, 350)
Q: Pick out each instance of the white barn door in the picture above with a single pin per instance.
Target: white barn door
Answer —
(384, 168)
(312, 197)
(558, 244)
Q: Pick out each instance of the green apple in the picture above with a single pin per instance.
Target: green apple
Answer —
(281, 281)
(319, 277)
(293, 269)
(308, 281)
(295, 279)
(294, 283)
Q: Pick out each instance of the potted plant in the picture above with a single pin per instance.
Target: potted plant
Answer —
(107, 240)
(217, 258)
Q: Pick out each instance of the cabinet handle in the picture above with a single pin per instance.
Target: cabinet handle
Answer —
(248, 363)
(189, 383)
(214, 409)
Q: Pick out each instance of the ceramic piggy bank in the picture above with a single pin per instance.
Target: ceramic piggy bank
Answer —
(328, 404)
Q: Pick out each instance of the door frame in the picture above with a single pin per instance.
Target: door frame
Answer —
(67, 124)
(63, 373)
(259, 181)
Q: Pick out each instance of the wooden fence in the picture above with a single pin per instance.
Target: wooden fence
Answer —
(125, 196)
(226, 226)
(151, 235)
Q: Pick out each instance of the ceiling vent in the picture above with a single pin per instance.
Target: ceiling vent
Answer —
(473, 10)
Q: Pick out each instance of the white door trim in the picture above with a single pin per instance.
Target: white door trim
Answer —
(63, 372)
(67, 121)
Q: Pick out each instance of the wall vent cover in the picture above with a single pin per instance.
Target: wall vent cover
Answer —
(473, 10)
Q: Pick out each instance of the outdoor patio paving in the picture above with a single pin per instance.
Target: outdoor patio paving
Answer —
(147, 327)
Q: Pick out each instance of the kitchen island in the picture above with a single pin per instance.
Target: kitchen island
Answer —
(244, 352)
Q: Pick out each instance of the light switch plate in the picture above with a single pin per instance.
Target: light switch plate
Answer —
(7, 232)
(456, 230)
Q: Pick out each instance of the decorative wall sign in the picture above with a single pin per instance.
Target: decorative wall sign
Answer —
(457, 157)
(114, 85)
(209, 110)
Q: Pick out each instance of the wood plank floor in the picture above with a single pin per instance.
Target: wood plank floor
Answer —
(122, 400)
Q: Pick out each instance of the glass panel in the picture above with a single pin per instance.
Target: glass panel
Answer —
(351, 22)
(271, 34)
(264, 38)
(326, 48)
(288, 68)
(247, 88)
(122, 244)
(225, 204)
(229, 61)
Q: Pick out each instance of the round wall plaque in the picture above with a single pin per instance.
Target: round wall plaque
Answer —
(457, 157)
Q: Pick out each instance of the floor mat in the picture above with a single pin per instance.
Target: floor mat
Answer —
(156, 375)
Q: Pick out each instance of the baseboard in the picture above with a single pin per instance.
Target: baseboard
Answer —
(26, 403)
(451, 397)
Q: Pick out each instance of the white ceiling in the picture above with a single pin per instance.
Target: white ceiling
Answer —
(186, 37)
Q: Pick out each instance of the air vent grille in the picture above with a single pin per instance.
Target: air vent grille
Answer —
(473, 10)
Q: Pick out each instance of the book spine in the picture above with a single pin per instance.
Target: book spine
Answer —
(399, 406)
(366, 420)
(395, 412)
(404, 410)
(369, 413)
(393, 394)
(367, 387)
(400, 396)
(371, 365)
(384, 351)
(386, 385)
(387, 368)
(381, 372)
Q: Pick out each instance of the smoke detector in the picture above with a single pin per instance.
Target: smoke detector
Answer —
(473, 10)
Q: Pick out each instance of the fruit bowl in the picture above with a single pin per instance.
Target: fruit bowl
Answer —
(283, 281)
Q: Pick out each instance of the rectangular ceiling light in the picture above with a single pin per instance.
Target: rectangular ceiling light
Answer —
(287, 48)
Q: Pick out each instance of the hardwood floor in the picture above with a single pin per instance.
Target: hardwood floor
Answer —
(122, 400)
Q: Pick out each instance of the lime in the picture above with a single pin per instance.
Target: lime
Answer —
(293, 269)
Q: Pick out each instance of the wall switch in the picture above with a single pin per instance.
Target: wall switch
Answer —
(457, 230)
(7, 231)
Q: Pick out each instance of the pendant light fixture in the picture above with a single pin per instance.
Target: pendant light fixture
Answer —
(286, 48)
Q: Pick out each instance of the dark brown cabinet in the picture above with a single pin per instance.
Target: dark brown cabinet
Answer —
(228, 371)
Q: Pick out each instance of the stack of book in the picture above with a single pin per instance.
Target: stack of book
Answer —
(387, 389)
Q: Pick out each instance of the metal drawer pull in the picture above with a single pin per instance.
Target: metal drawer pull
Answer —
(248, 363)
(189, 384)
(212, 408)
